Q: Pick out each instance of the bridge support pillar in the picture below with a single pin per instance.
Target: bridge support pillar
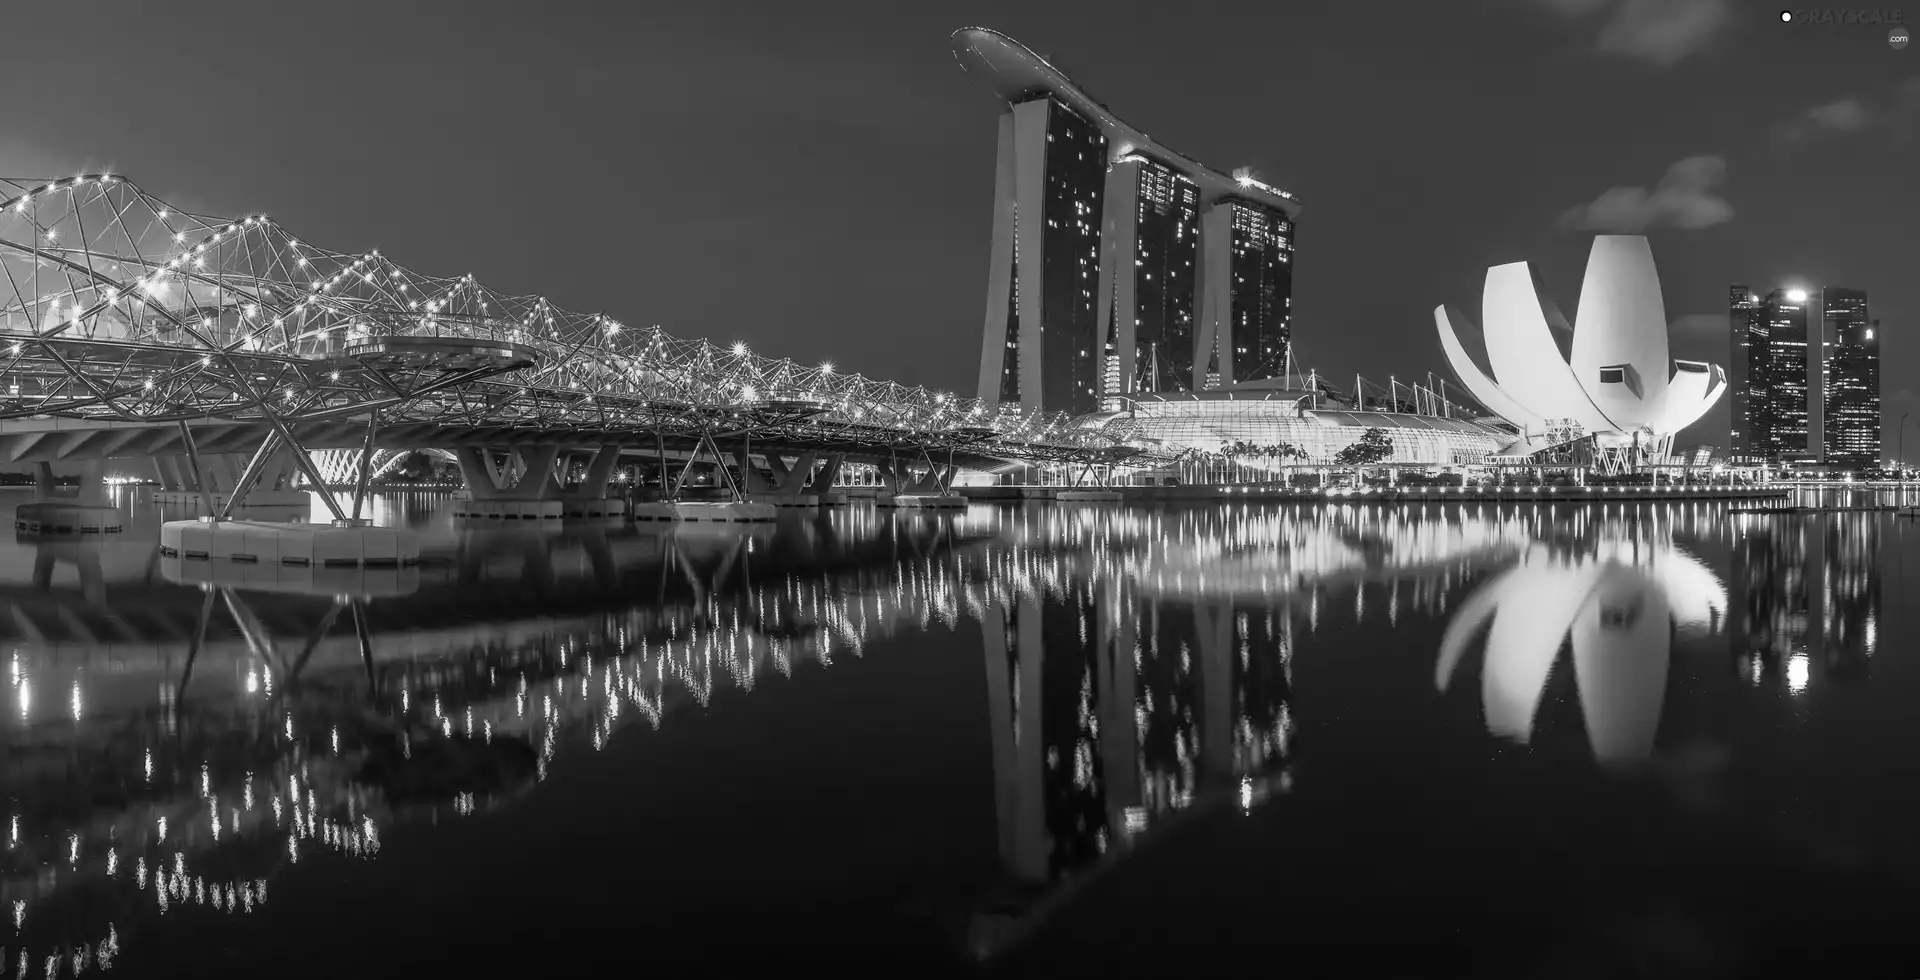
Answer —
(821, 482)
(791, 487)
(590, 500)
(524, 492)
(600, 471)
(82, 509)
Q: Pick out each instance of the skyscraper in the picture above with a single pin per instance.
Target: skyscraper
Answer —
(1118, 266)
(1052, 165)
(1155, 209)
(1748, 357)
(1784, 313)
(1245, 331)
(1851, 380)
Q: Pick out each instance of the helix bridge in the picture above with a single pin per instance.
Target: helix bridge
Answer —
(129, 327)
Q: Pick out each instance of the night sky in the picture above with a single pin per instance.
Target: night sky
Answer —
(815, 178)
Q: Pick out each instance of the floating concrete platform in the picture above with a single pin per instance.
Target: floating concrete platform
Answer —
(785, 499)
(57, 517)
(832, 499)
(1088, 496)
(655, 510)
(923, 501)
(510, 510)
(705, 512)
(593, 507)
(254, 498)
(365, 581)
(261, 542)
(721, 512)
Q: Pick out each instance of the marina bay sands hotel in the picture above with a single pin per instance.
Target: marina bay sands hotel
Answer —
(1119, 267)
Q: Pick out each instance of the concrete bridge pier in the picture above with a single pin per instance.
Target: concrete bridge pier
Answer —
(522, 490)
(821, 486)
(789, 486)
(590, 500)
(925, 492)
(82, 509)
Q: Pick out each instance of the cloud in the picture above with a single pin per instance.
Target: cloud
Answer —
(1658, 32)
(1684, 198)
(1849, 116)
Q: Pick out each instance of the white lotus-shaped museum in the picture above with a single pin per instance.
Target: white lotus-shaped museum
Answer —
(1619, 386)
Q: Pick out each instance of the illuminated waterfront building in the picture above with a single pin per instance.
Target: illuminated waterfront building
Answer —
(1751, 433)
(1784, 312)
(1118, 266)
(1850, 380)
(1245, 333)
(1618, 391)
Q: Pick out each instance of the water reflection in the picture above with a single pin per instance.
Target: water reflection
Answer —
(180, 731)
(1807, 594)
(1619, 598)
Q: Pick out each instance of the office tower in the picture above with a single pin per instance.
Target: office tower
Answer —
(1244, 326)
(1850, 380)
(1101, 266)
(1788, 369)
(1747, 360)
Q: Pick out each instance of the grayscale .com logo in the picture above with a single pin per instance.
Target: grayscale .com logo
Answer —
(1898, 38)
(1844, 16)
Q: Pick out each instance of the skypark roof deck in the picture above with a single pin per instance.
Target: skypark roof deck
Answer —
(1015, 73)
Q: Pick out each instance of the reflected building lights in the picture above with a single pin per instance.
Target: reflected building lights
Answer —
(1140, 665)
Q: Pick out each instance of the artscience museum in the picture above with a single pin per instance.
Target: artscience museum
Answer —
(1617, 397)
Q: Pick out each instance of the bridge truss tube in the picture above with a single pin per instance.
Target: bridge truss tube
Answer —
(249, 475)
(366, 465)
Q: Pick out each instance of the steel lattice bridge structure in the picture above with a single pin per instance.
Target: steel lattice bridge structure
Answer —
(132, 328)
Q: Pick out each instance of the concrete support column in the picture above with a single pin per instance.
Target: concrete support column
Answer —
(543, 476)
(91, 492)
(829, 474)
(796, 478)
(600, 471)
(478, 472)
(750, 479)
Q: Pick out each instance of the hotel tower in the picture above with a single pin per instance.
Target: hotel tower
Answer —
(1118, 266)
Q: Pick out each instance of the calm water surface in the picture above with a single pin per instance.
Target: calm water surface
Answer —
(1462, 740)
